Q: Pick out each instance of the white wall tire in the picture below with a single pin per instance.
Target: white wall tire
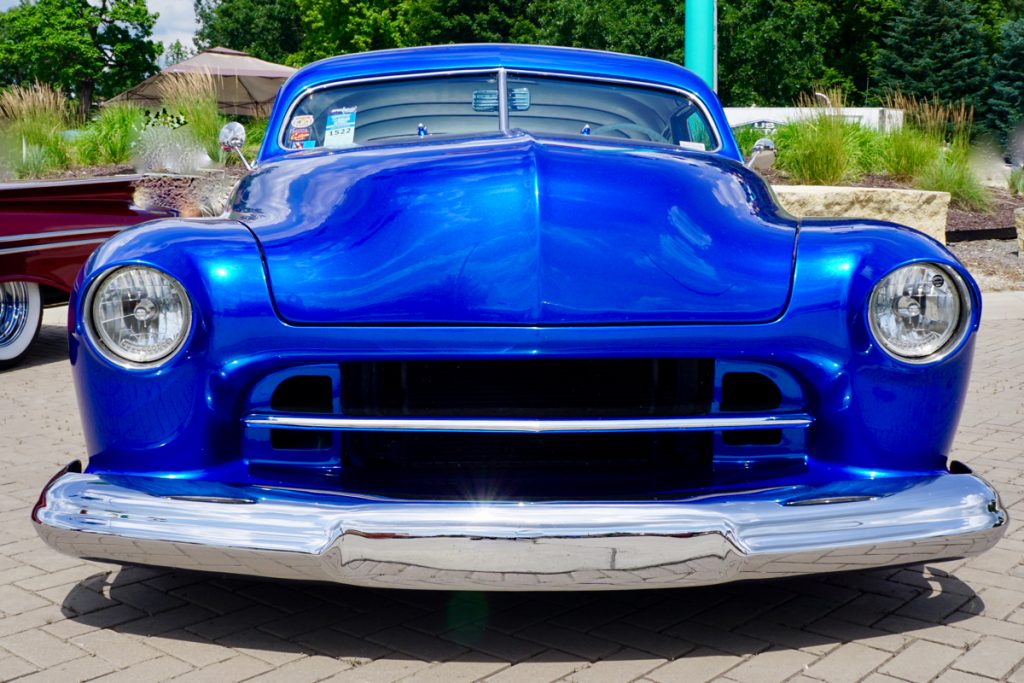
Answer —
(21, 313)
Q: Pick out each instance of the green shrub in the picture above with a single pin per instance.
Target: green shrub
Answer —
(868, 145)
(934, 148)
(746, 136)
(951, 172)
(193, 96)
(33, 120)
(817, 151)
(255, 131)
(1016, 181)
(110, 137)
(907, 151)
(827, 149)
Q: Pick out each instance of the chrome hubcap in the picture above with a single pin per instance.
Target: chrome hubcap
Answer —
(13, 311)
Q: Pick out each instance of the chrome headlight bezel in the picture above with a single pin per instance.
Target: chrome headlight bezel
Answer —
(96, 337)
(960, 329)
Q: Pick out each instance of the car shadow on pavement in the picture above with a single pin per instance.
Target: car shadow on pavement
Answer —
(878, 607)
(51, 346)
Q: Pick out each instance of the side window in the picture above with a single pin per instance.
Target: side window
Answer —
(697, 130)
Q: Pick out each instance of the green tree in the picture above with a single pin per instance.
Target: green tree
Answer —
(267, 29)
(433, 22)
(652, 28)
(772, 50)
(935, 47)
(332, 27)
(861, 25)
(177, 52)
(993, 14)
(1005, 106)
(83, 48)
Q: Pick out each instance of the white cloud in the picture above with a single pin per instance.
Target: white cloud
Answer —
(177, 21)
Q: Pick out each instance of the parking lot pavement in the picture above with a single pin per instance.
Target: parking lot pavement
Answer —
(65, 619)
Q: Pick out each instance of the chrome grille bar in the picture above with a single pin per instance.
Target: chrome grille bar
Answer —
(702, 423)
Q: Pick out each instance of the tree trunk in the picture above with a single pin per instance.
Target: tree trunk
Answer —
(85, 90)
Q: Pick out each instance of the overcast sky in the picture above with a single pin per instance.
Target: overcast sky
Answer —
(177, 19)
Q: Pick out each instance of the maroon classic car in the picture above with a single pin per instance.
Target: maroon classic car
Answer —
(47, 231)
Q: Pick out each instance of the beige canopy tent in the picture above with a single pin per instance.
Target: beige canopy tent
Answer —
(246, 86)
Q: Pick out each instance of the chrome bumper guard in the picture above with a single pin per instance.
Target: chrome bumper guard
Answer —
(519, 546)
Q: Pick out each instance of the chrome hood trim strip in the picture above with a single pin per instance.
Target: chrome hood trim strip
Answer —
(510, 426)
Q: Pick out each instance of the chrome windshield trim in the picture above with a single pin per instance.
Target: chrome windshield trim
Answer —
(502, 73)
(527, 426)
(59, 233)
(54, 245)
(502, 100)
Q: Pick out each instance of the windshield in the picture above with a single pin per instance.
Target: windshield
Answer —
(349, 115)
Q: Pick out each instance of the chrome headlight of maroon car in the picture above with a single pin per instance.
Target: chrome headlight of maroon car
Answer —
(918, 313)
(138, 316)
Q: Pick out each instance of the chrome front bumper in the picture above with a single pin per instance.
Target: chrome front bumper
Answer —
(519, 546)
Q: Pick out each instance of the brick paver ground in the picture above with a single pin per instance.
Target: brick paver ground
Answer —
(64, 619)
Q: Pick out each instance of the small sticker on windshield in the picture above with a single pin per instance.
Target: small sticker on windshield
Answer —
(302, 121)
(341, 127)
(300, 134)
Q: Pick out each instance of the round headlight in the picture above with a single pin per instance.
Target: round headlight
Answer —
(918, 311)
(140, 315)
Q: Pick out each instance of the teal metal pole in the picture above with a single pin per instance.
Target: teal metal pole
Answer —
(702, 40)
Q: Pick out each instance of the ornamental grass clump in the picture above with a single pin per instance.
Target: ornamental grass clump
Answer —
(950, 170)
(33, 120)
(952, 173)
(917, 144)
(825, 148)
(193, 96)
(110, 138)
(255, 131)
(1016, 181)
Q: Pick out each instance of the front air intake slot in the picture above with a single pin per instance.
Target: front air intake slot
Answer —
(750, 391)
(302, 394)
(569, 388)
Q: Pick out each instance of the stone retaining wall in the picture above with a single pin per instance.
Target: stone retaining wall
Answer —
(925, 211)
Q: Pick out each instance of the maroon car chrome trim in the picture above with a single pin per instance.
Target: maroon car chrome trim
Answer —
(53, 245)
(61, 233)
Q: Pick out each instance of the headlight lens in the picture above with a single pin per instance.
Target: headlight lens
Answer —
(139, 315)
(918, 310)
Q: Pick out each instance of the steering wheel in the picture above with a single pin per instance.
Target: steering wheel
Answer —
(652, 134)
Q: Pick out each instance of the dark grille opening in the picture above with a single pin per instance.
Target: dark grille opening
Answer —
(302, 394)
(525, 465)
(749, 391)
(752, 437)
(633, 387)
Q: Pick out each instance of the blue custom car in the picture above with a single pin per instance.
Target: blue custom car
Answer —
(512, 317)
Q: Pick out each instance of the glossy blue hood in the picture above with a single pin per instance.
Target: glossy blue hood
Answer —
(520, 231)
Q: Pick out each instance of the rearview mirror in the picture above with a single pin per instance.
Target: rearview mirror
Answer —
(763, 155)
(232, 137)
